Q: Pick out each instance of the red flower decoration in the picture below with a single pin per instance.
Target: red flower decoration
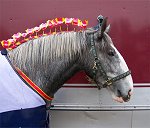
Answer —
(43, 26)
(68, 20)
(37, 29)
(54, 22)
(84, 24)
(17, 40)
(30, 31)
(24, 34)
(8, 43)
(49, 23)
(17, 36)
(12, 41)
(5, 44)
(60, 20)
(12, 47)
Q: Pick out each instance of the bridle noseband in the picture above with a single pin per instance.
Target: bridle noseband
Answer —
(98, 67)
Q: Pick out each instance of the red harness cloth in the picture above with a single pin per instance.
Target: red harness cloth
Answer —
(34, 86)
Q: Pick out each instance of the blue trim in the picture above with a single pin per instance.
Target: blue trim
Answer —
(32, 117)
(4, 52)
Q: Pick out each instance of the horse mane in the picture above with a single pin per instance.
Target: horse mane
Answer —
(31, 48)
(47, 49)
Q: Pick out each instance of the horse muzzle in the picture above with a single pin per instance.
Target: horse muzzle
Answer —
(124, 98)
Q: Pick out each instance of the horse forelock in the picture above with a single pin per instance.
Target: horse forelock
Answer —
(46, 49)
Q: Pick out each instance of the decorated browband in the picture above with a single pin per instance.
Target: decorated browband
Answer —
(50, 27)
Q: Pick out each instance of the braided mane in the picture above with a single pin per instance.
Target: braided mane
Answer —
(50, 27)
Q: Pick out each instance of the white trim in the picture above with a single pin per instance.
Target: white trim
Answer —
(135, 84)
(100, 107)
(141, 84)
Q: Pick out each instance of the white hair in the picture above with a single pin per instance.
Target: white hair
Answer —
(47, 49)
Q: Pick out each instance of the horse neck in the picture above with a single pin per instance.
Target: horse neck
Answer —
(47, 72)
(59, 72)
(52, 78)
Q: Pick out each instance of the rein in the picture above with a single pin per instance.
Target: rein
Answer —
(98, 67)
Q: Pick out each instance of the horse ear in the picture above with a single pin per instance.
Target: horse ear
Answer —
(104, 25)
(107, 29)
(102, 28)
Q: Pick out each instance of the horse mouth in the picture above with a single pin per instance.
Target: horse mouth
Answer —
(126, 99)
(121, 98)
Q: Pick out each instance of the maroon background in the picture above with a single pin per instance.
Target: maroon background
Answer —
(130, 25)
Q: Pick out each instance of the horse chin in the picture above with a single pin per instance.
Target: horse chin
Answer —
(119, 99)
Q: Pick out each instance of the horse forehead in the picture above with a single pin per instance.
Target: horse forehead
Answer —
(123, 64)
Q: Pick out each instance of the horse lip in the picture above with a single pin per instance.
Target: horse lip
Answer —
(119, 99)
(126, 99)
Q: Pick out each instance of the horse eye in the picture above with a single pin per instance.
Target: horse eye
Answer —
(111, 53)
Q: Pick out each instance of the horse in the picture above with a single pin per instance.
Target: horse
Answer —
(49, 61)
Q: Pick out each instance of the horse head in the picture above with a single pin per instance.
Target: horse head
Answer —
(105, 65)
(49, 61)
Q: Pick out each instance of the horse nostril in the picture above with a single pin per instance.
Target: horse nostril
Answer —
(130, 93)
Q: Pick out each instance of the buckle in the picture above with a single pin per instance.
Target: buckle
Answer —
(108, 82)
(95, 66)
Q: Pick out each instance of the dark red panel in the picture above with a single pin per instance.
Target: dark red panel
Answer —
(130, 25)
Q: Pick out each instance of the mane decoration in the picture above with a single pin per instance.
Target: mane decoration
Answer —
(50, 27)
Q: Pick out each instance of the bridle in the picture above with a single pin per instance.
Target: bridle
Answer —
(97, 67)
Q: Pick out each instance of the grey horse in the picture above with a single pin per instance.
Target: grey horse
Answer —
(49, 61)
